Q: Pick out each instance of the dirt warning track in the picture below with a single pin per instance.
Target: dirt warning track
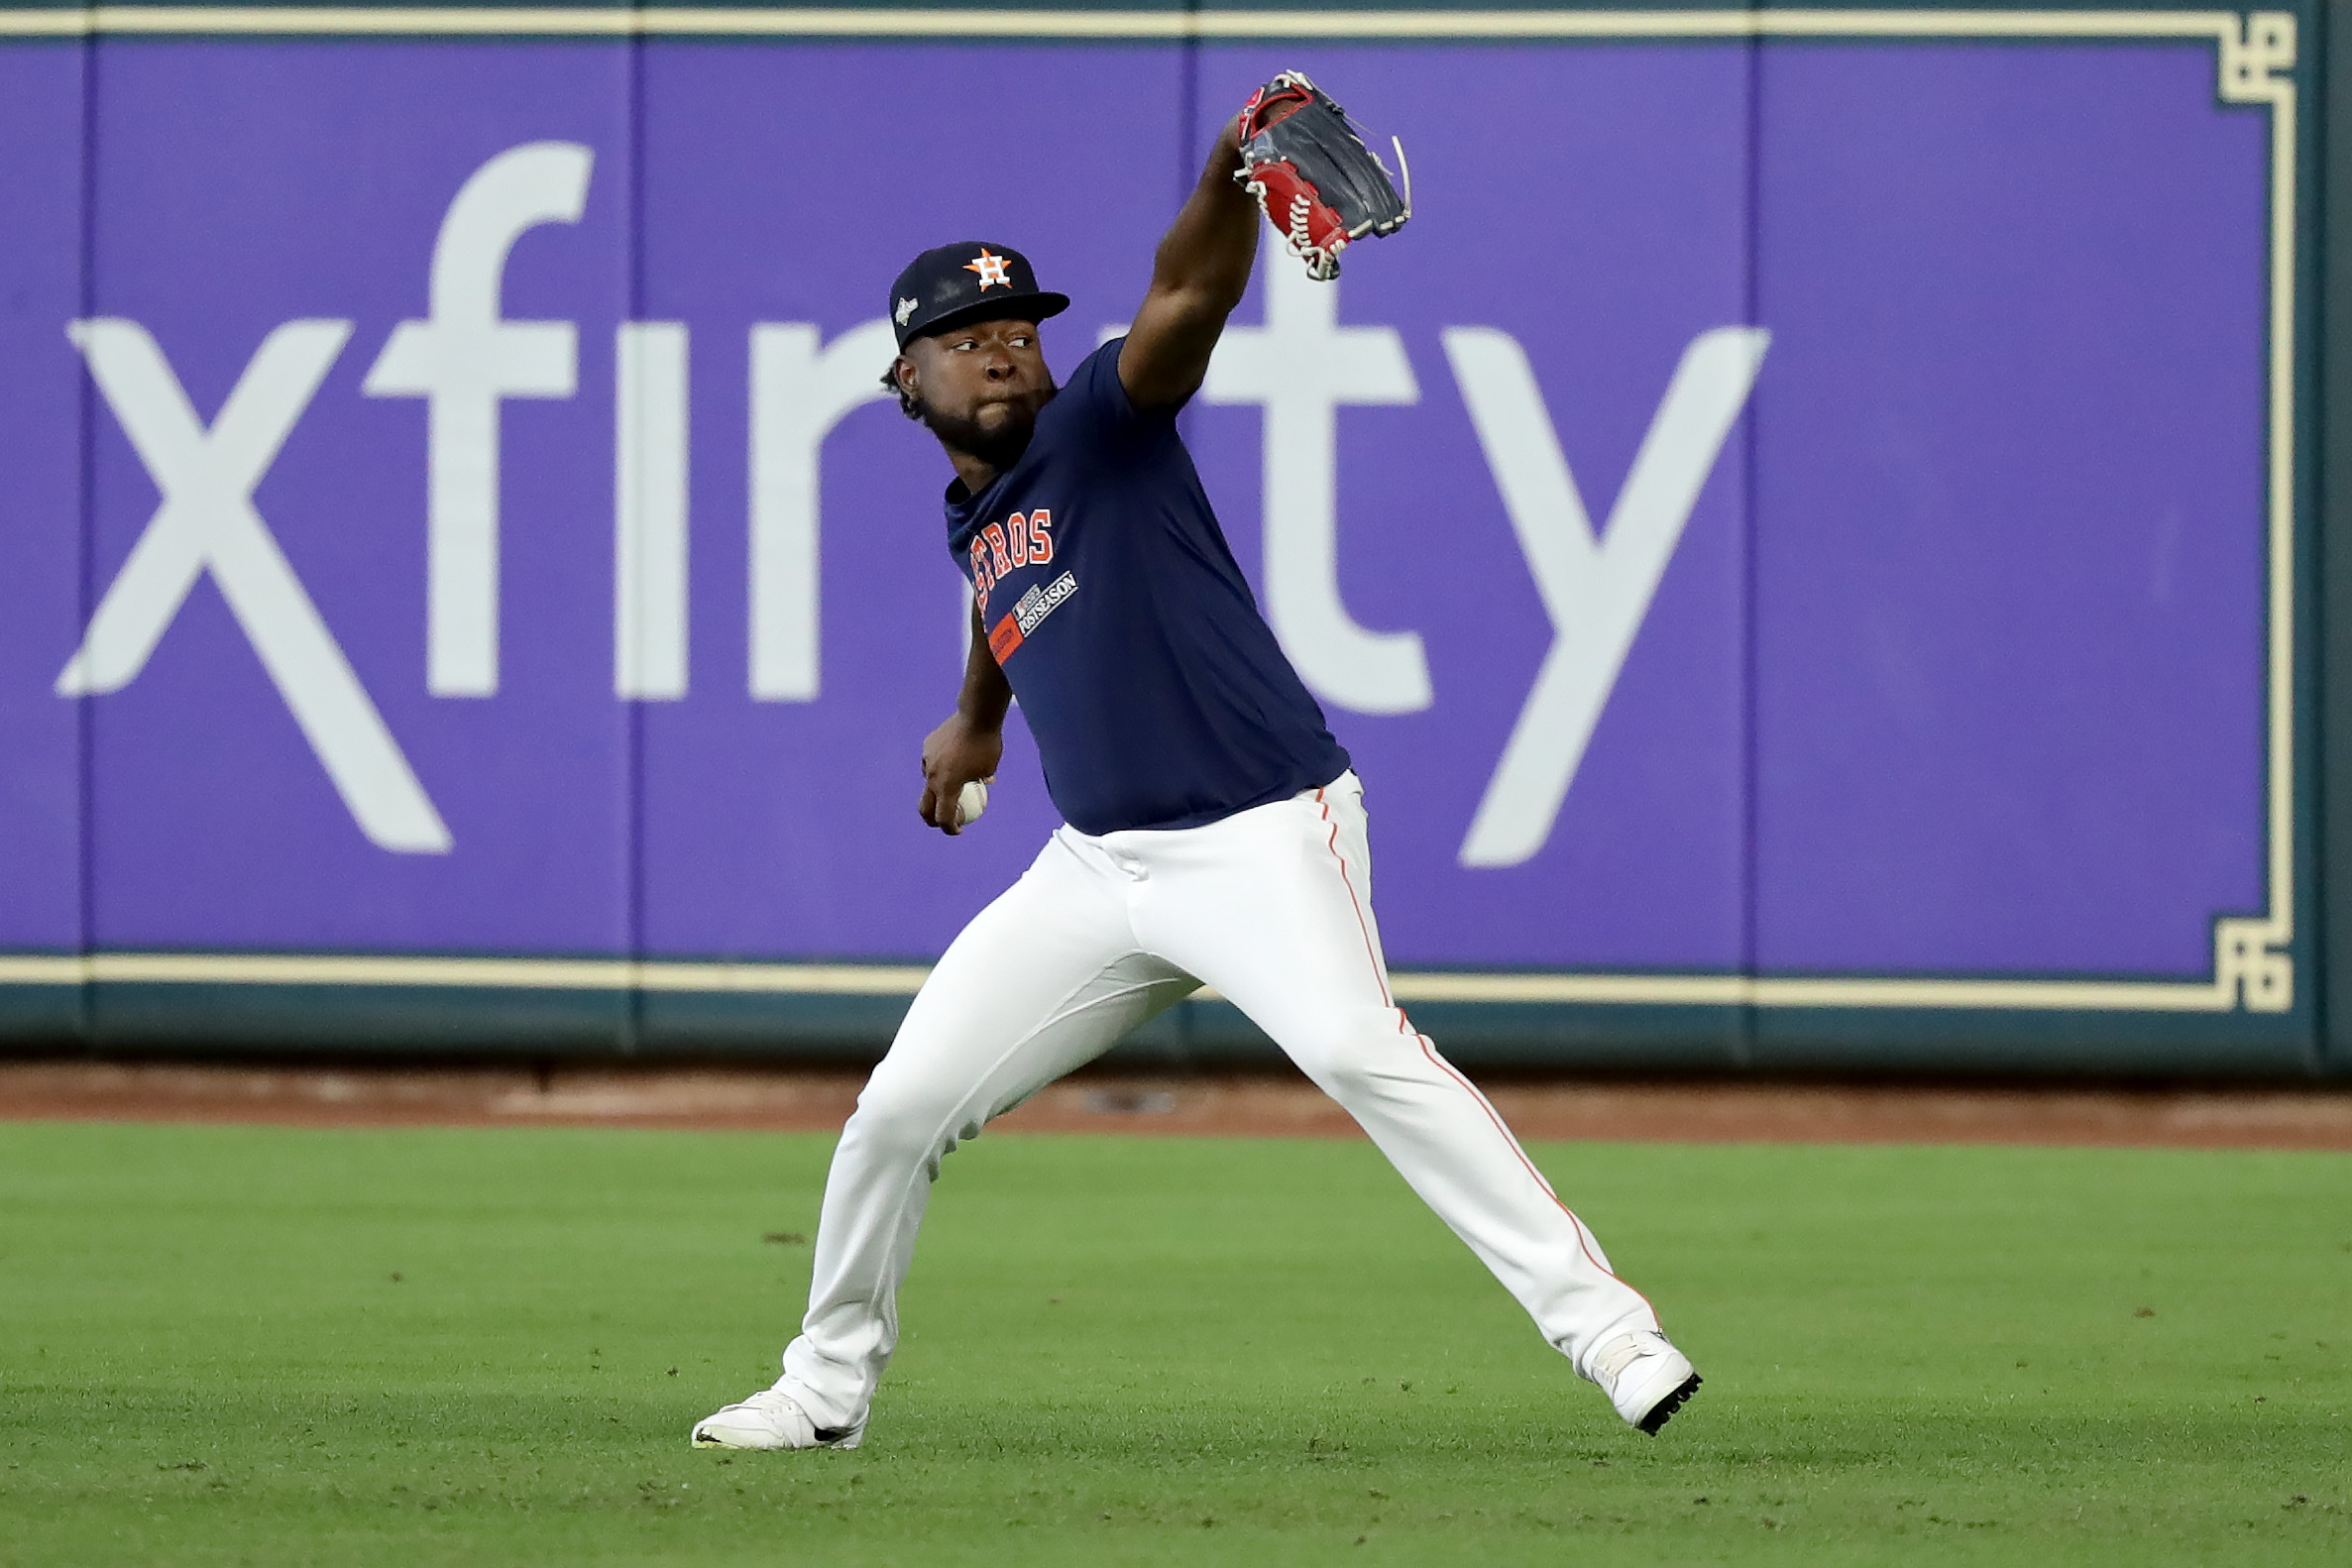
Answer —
(781, 1100)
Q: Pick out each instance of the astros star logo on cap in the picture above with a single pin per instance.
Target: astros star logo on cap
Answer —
(992, 269)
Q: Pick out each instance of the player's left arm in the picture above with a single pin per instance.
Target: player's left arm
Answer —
(1198, 276)
(970, 743)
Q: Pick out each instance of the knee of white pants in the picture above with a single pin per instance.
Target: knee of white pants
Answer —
(1352, 1052)
(902, 1121)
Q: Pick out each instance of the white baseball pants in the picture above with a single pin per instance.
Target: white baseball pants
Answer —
(1271, 906)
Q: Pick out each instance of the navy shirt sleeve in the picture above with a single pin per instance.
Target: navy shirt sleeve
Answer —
(1102, 407)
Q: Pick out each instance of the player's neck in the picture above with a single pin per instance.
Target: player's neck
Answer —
(976, 474)
(976, 471)
(982, 456)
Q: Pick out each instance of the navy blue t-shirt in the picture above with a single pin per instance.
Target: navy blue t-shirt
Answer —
(1156, 692)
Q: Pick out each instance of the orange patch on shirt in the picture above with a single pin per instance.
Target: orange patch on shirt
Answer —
(1004, 640)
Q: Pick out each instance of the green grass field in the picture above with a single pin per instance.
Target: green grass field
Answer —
(265, 1346)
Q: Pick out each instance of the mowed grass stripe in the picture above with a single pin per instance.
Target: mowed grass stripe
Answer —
(258, 1345)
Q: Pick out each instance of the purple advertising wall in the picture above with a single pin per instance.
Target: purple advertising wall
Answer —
(1798, 524)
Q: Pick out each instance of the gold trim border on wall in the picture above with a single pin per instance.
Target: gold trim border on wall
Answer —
(2255, 56)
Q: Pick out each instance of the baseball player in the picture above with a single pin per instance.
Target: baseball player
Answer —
(1214, 833)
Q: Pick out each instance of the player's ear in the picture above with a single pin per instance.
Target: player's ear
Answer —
(902, 379)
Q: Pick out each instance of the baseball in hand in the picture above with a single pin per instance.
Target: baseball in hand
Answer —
(971, 802)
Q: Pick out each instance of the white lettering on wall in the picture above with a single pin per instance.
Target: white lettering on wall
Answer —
(465, 358)
(799, 393)
(463, 361)
(650, 511)
(1596, 587)
(1303, 366)
(208, 523)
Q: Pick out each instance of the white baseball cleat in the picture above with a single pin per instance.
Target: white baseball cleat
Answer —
(772, 1419)
(1648, 1379)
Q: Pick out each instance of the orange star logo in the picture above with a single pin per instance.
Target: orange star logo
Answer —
(991, 270)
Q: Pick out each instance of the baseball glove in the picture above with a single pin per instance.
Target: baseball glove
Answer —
(1316, 180)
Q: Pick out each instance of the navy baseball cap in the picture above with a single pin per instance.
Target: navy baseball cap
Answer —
(956, 284)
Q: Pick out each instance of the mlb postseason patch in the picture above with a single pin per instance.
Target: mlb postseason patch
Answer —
(1042, 599)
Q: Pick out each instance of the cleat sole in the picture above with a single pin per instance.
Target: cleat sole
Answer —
(1663, 1412)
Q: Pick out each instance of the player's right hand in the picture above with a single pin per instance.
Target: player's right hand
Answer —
(953, 755)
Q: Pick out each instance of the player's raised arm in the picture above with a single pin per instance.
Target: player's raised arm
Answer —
(969, 744)
(1292, 152)
(1198, 276)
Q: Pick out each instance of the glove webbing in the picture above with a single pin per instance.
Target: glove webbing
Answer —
(1340, 165)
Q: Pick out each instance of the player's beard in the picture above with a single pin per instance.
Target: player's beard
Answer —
(1000, 446)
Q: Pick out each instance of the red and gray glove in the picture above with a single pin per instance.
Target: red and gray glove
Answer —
(1316, 180)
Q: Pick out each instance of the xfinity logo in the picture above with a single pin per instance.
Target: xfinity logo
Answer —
(464, 358)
